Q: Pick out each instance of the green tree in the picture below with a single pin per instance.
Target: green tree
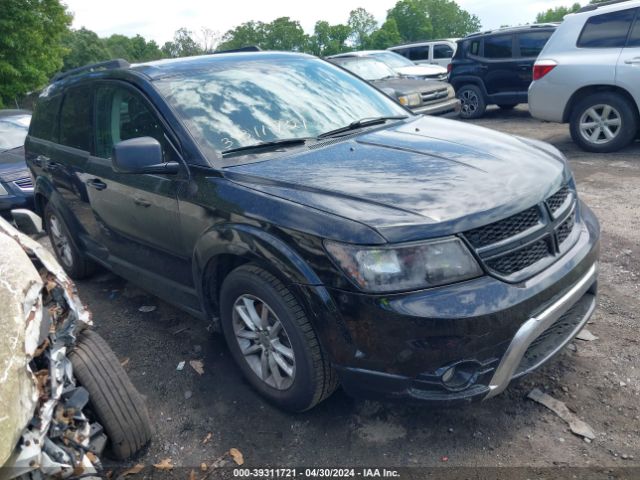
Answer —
(284, 34)
(386, 36)
(244, 35)
(83, 47)
(328, 39)
(183, 45)
(362, 25)
(556, 14)
(31, 45)
(412, 20)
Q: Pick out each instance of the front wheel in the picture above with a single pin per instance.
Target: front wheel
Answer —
(472, 103)
(603, 122)
(272, 340)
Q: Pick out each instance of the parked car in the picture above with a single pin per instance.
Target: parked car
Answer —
(434, 52)
(65, 398)
(401, 65)
(334, 237)
(588, 75)
(495, 67)
(16, 187)
(430, 97)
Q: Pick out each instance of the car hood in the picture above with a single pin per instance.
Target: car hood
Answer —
(410, 85)
(421, 70)
(417, 179)
(12, 160)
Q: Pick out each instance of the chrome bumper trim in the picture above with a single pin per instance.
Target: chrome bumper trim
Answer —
(533, 327)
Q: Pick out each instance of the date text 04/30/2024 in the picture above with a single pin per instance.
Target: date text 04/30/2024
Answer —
(315, 473)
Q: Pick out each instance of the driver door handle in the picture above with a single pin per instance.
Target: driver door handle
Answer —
(97, 184)
(633, 61)
(141, 202)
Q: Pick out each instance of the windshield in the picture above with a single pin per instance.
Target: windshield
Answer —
(369, 69)
(13, 131)
(394, 60)
(235, 103)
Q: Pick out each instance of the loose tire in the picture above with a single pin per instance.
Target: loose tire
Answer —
(603, 122)
(118, 406)
(272, 340)
(74, 262)
(472, 101)
(507, 106)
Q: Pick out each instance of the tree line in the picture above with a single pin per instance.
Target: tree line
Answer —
(36, 38)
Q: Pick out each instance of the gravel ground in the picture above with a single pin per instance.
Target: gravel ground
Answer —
(598, 380)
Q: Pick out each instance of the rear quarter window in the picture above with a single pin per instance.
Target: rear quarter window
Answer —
(44, 122)
(442, 51)
(608, 30)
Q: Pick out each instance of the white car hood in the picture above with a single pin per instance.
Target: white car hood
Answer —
(422, 70)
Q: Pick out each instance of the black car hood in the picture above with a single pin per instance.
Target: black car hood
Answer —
(409, 85)
(12, 160)
(418, 179)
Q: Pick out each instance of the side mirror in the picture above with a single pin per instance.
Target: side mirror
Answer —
(141, 155)
(27, 222)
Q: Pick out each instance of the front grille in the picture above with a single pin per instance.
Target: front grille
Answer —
(434, 96)
(24, 183)
(547, 343)
(555, 201)
(537, 235)
(520, 259)
(509, 227)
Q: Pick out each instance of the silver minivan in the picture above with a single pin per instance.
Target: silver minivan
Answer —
(434, 52)
(588, 75)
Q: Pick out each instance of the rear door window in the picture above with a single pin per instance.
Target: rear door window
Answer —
(442, 51)
(499, 46)
(75, 118)
(634, 36)
(609, 30)
(44, 124)
(419, 53)
(122, 114)
(405, 52)
(532, 43)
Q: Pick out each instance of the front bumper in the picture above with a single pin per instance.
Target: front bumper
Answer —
(400, 346)
(448, 108)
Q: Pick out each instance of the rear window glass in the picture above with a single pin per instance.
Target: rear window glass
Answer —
(634, 38)
(532, 43)
(442, 51)
(75, 118)
(44, 121)
(607, 31)
(500, 46)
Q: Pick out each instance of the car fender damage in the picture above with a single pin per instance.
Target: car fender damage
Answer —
(41, 316)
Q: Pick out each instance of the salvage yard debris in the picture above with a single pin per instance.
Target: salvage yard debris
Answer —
(164, 464)
(586, 336)
(576, 425)
(237, 456)
(198, 366)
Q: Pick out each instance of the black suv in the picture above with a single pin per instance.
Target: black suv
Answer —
(496, 67)
(332, 235)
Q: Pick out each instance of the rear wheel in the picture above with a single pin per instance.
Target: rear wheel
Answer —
(117, 404)
(74, 262)
(603, 122)
(273, 341)
(472, 103)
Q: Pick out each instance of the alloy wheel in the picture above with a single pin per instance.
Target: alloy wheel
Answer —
(264, 342)
(470, 101)
(60, 241)
(600, 124)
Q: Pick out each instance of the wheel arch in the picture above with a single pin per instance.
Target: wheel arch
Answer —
(459, 82)
(592, 89)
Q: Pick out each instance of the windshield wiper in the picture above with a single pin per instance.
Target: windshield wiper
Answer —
(266, 145)
(363, 122)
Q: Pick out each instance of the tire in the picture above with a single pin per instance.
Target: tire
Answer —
(313, 378)
(74, 262)
(116, 403)
(507, 106)
(473, 104)
(616, 109)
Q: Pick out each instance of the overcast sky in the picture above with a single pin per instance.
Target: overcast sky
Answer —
(158, 19)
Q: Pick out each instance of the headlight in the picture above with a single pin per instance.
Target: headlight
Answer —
(411, 100)
(450, 91)
(405, 267)
(3, 191)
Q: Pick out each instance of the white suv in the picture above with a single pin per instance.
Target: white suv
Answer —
(434, 52)
(588, 75)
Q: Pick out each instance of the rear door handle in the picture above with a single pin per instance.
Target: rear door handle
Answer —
(141, 202)
(97, 184)
(633, 61)
(40, 160)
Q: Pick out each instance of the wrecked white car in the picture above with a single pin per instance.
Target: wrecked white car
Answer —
(64, 397)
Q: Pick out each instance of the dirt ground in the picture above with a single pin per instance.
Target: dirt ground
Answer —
(599, 380)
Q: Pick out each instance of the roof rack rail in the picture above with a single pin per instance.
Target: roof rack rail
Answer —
(108, 65)
(517, 27)
(595, 6)
(249, 48)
